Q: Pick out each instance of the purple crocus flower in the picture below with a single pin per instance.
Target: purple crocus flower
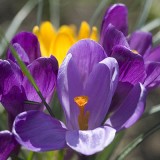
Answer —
(87, 80)
(15, 89)
(137, 48)
(26, 45)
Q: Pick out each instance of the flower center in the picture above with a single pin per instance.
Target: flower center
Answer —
(135, 51)
(83, 117)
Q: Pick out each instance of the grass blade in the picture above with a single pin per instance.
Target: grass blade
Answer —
(39, 11)
(137, 141)
(16, 22)
(151, 25)
(153, 110)
(144, 14)
(98, 11)
(54, 12)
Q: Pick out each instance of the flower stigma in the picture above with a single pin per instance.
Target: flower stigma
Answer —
(83, 117)
(135, 51)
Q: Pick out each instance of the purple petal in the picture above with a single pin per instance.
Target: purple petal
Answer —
(22, 54)
(38, 132)
(117, 15)
(7, 144)
(130, 110)
(140, 41)
(73, 74)
(29, 43)
(44, 72)
(63, 92)
(131, 66)
(12, 95)
(153, 75)
(122, 90)
(100, 88)
(111, 38)
(154, 55)
(86, 53)
(90, 141)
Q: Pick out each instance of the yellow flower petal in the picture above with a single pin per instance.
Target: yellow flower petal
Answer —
(47, 34)
(84, 30)
(36, 31)
(58, 43)
(67, 29)
(61, 45)
(44, 51)
(94, 34)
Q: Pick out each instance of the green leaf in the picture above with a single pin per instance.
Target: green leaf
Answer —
(153, 110)
(54, 12)
(98, 11)
(144, 13)
(16, 22)
(151, 25)
(39, 11)
(137, 141)
(30, 156)
(107, 152)
(56, 106)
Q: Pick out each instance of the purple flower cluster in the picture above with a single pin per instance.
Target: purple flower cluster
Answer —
(102, 89)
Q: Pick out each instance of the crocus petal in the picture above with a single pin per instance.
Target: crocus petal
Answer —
(11, 93)
(131, 66)
(84, 30)
(38, 132)
(111, 38)
(140, 41)
(154, 55)
(66, 85)
(130, 110)
(122, 90)
(153, 75)
(22, 54)
(29, 43)
(47, 34)
(117, 15)
(44, 71)
(72, 76)
(7, 144)
(56, 47)
(86, 53)
(100, 88)
(90, 141)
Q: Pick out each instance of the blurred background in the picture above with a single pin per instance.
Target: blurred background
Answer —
(141, 13)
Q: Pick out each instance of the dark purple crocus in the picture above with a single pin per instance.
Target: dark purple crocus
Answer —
(87, 80)
(16, 93)
(136, 48)
(26, 45)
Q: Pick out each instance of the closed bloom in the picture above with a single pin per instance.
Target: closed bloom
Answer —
(136, 48)
(16, 93)
(57, 42)
(87, 80)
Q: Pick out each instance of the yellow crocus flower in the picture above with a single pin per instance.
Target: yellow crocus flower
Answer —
(58, 42)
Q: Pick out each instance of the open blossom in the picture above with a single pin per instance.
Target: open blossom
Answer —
(57, 42)
(138, 45)
(87, 80)
(16, 92)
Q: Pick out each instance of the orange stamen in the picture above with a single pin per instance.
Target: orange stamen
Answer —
(83, 117)
(134, 51)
